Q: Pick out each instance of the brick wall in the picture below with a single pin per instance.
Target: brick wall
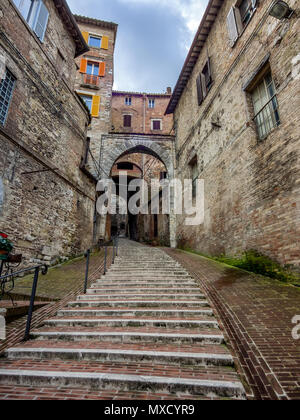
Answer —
(141, 114)
(252, 195)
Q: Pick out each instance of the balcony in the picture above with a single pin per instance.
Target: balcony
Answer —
(90, 81)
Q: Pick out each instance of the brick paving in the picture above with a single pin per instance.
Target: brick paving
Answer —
(256, 313)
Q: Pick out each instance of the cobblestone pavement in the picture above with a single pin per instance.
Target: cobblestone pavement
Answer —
(256, 313)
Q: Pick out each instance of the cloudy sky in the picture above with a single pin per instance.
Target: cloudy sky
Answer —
(153, 38)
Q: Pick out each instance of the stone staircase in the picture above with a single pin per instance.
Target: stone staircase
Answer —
(144, 330)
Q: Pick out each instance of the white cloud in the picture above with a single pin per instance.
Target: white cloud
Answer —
(190, 10)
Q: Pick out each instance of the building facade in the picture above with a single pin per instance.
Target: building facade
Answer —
(236, 113)
(141, 113)
(46, 201)
(94, 82)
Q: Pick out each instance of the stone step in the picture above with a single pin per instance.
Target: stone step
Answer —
(139, 303)
(137, 312)
(139, 279)
(96, 289)
(149, 272)
(151, 283)
(141, 296)
(120, 355)
(206, 337)
(123, 322)
(53, 376)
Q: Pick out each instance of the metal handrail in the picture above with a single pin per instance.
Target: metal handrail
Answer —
(8, 277)
(115, 242)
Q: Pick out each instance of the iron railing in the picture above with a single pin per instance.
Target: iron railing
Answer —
(115, 244)
(9, 278)
(90, 79)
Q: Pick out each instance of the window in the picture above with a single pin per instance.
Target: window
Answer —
(194, 175)
(126, 166)
(92, 69)
(94, 41)
(163, 175)
(156, 125)
(265, 106)
(151, 103)
(128, 101)
(127, 121)
(36, 15)
(238, 18)
(88, 101)
(204, 82)
(6, 90)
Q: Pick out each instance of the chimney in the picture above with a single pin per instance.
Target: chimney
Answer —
(169, 91)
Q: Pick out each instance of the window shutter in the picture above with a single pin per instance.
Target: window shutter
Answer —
(254, 3)
(127, 120)
(102, 69)
(232, 27)
(209, 69)
(95, 106)
(41, 21)
(85, 36)
(83, 65)
(203, 83)
(104, 42)
(199, 90)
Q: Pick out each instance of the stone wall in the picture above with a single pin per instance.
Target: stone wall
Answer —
(252, 195)
(46, 202)
(141, 114)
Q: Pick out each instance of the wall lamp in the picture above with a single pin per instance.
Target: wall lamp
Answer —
(281, 10)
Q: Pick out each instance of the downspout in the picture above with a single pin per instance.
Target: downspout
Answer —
(144, 119)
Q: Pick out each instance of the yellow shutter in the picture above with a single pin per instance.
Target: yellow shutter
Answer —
(96, 106)
(85, 36)
(104, 43)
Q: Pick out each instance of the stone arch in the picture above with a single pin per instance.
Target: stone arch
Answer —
(114, 147)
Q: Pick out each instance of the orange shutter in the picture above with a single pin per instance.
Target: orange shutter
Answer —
(104, 43)
(102, 69)
(95, 106)
(85, 36)
(83, 65)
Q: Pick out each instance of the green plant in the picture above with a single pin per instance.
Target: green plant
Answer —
(259, 263)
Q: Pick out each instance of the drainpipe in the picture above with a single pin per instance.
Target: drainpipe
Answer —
(144, 121)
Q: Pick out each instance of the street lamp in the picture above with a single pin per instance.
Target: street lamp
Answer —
(281, 10)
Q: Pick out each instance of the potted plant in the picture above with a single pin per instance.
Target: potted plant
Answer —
(5, 246)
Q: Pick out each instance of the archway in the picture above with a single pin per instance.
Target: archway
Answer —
(115, 147)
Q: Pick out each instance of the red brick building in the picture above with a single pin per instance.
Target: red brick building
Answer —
(134, 112)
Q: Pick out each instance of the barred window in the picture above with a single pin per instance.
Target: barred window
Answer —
(6, 90)
(265, 106)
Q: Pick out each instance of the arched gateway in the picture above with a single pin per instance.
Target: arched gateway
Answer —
(114, 146)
